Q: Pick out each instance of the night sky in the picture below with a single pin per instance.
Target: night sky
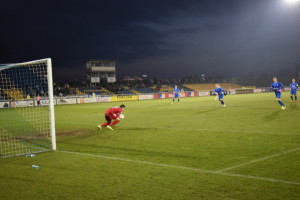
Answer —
(160, 38)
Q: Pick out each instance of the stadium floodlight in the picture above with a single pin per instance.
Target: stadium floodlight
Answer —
(292, 1)
(26, 108)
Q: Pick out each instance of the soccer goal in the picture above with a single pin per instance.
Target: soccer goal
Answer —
(26, 108)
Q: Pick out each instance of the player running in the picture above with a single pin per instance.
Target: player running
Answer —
(176, 94)
(220, 92)
(278, 88)
(294, 87)
(110, 114)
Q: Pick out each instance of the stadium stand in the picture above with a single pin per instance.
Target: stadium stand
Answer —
(166, 88)
(14, 94)
(107, 91)
(170, 87)
(126, 91)
(33, 85)
(210, 86)
(135, 91)
(91, 90)
(144, 90)
(121, 89)
(77, 91)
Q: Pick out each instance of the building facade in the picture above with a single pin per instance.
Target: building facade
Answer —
(99, 71)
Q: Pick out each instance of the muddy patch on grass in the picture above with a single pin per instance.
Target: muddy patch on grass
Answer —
(74, 133)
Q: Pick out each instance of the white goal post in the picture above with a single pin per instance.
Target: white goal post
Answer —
(27, 123)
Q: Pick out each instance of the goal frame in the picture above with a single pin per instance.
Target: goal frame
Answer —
(48, 62)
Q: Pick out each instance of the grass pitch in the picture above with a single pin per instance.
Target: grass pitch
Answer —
(193, 150)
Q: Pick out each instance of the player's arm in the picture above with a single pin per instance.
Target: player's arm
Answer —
(222, 91)
(118, 113)
(117, 116)
(281, 87)
(273, 88)
(216, 93)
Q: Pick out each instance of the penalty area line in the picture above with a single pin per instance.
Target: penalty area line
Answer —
(184, 168)
(258, 160)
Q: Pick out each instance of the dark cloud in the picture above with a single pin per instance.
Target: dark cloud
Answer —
(157, 37)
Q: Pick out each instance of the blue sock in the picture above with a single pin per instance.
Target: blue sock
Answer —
(296, 98)
(280, 102)
(222, 102)
(292, 98)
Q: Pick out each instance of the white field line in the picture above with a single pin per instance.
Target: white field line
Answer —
(194, 129)
(259, 159)
(186, 168)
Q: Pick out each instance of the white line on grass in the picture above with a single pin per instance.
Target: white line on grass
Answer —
(186, 168)
(259, 159)
(194, 129)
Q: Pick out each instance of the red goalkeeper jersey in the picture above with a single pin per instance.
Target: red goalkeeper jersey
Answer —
(114, 112)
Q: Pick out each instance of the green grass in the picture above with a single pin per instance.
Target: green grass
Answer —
(164, 151)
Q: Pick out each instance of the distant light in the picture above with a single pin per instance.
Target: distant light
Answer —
(292, 1)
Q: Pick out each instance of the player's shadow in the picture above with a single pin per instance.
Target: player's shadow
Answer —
(207, 111)
(161, 105)
(137, 128)
(272, 116)
(293, 106)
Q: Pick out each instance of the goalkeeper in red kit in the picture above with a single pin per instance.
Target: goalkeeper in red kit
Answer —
(112, 116)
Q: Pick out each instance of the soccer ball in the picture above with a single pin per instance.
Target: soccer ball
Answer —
(122, 116)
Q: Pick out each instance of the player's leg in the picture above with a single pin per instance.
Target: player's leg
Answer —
(278, 98)
(108, 121)
(295, 95)
(115, 122)
(176, 96)
(112, 124)
(280, 102)
(223, 103)
(221, 100)
(178, 100)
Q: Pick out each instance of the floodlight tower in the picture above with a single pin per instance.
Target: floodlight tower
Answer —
(297, 4)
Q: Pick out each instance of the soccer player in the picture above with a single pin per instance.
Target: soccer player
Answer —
(112, 114)
(277, 88)
(38, 100)
(220, 92)
(176, 94)
(294, 88)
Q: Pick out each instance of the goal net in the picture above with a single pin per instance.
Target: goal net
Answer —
(26, 108)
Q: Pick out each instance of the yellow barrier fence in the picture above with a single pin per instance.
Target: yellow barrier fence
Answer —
(124, 98)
